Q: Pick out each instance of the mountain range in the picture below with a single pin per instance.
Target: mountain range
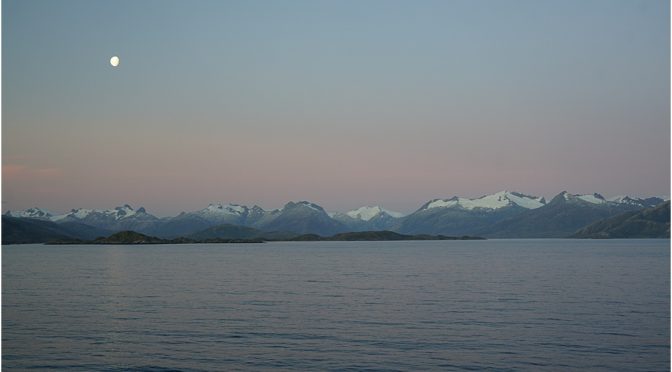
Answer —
(503, 214)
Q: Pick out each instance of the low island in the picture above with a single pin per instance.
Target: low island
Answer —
(132, 237)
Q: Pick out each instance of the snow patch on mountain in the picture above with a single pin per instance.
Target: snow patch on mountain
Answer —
(525, 201)
(117, 213)
(79, 213)
(124, 212)
(31, 213)
(366, 213)
(590, 198)
(631, 200)
(493, 201)
(310, 205)
(594, 198)
(224, 209)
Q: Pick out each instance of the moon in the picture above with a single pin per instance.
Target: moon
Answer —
(114, 61)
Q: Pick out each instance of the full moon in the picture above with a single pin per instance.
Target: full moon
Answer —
(114, 61)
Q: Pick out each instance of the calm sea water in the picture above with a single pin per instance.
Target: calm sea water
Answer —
(498, 304)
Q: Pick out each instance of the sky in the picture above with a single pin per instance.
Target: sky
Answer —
(343, 103)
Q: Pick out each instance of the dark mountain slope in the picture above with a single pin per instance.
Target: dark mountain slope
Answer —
(302, 218)
(647, 223)
(30, 230)
(227, 231)
(183, 224)
(450, 221)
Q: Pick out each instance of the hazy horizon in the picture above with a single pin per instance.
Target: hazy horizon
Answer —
(344, 104)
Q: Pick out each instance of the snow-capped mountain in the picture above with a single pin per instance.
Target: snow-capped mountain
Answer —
(640, 202)
(494, 201)
(299, 217)
(224, 213)
(367, 213)
(303, 204)
(622, 200)
(589, 198)
(464, 216)
(224, 209)
(34, 212)
(369, 218)
(119, 218)
(559, 218)
(117, 213)
(235, 214)
(92, 221)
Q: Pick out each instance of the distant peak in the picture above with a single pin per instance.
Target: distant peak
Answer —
(494, 201)
(366, 213)
(305, 204)
(594, 198)
(33, 212)
(224, 209)
(311, 205)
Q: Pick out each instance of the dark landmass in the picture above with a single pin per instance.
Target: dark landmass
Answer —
(132, 238)
(378, 236)
(29, 231)
(646, 223)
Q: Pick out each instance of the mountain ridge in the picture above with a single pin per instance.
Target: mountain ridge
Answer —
(501, 214)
